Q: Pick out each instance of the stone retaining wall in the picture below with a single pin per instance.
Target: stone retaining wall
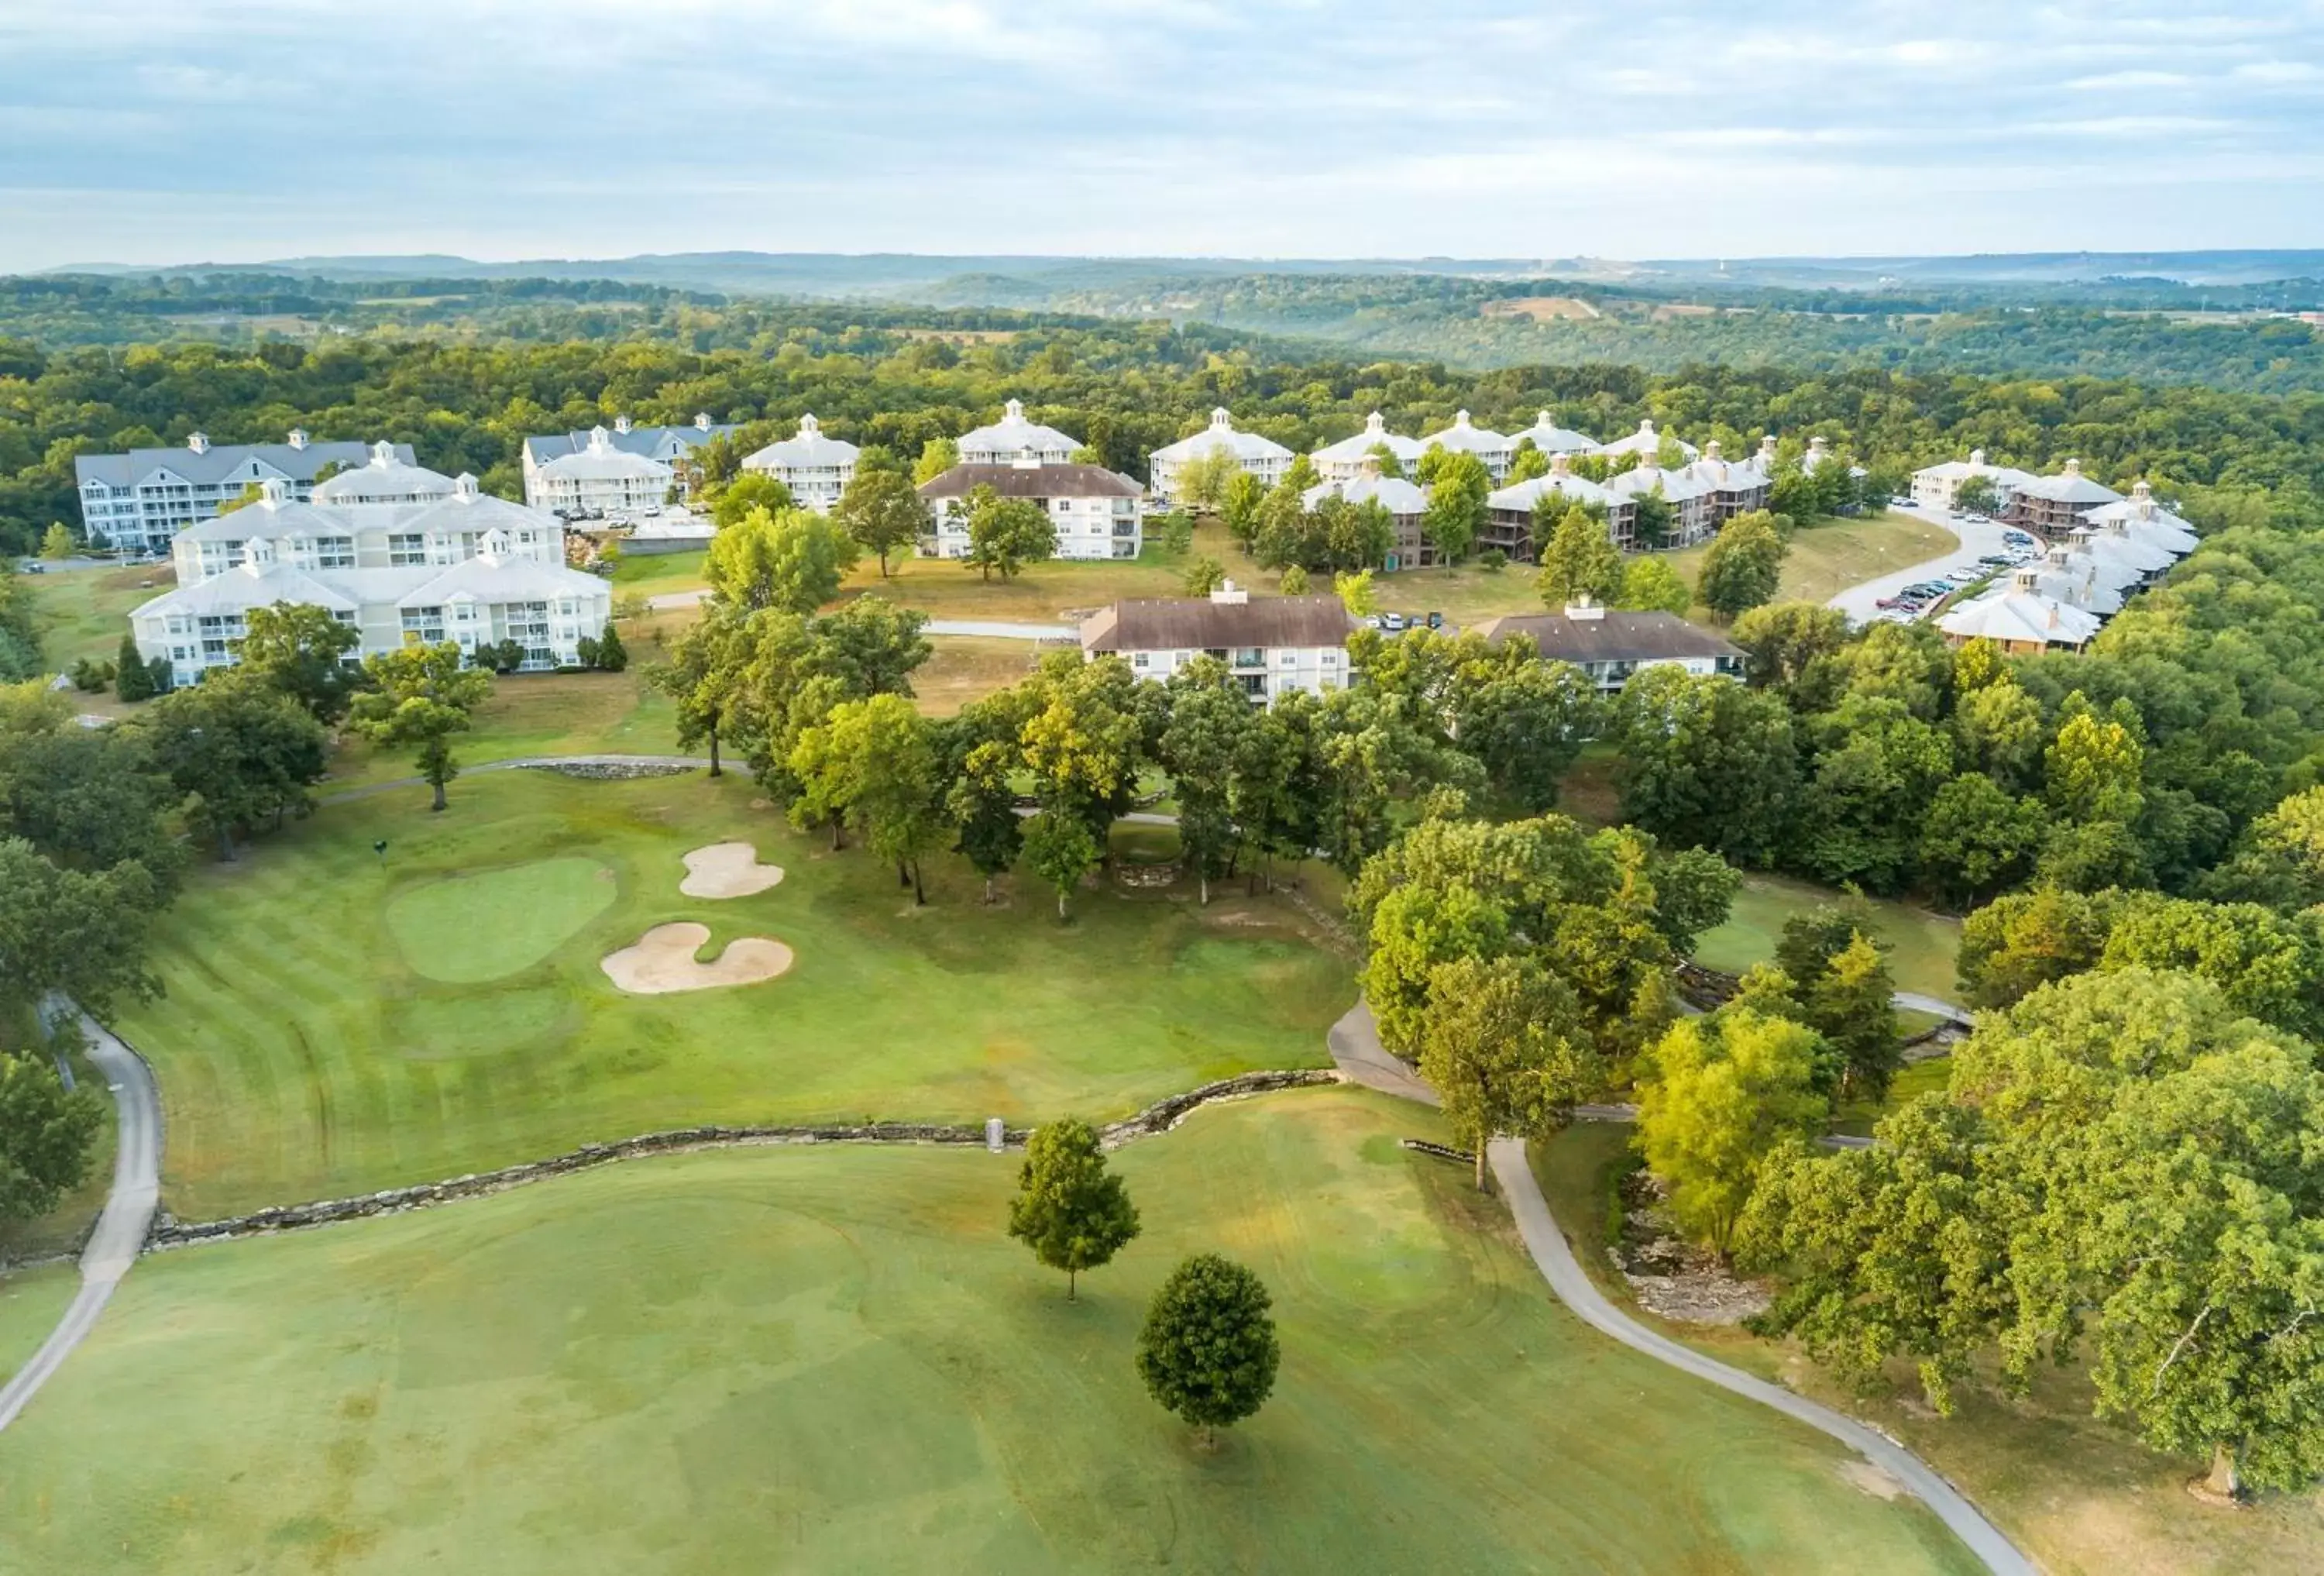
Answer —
(1160, 1116)
(610, 771)
(1442, 1151)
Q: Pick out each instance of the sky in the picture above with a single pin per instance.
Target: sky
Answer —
(178, 130)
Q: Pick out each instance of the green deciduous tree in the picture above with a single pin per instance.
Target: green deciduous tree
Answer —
(1238, 504)
(75, 931)
(1209, 717)
(46, 1132)
(1005, 534)
(1061, 850)
(240, 754)
(1743, 566)
(1456, 504)
(1202, 577)
(792, 558)
(1355, 592)
(1208, 1352)
(58, 541)
(1850, 1005)
(419, 698)
(881, 514)
(1504, 1048)
(753, 490)
(1651, 585)
(133, 677)
(705, 677)
(301, 650)
(1705, 762)
(1072, 1211)
(871, 764)
(938, 455)
(1579, 559)
(1721, 1095)
(1781, 638)
(2093, 768)
(1976, 841)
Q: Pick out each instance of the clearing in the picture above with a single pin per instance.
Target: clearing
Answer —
(834, 1358)
(1922, 947)
(311, 1046)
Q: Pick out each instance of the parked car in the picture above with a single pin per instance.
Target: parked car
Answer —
(2016, 538)
(1435, 620)
(1978, 519)
(1394, 622)
(1997, 561)
(34, 566)
(1907, 602)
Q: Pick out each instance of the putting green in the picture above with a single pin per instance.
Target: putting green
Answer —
(834, 1359)
(496, 923)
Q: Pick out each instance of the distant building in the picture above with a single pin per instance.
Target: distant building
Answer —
(1508, 510)
(1262, 457)
(602, 483)
(1344, 461)
(2054, 505)
(400, 553)
(816, 468)
(1549, 437)
(1645, 443)
(1272, 646)
(1098, 513)
(1012, 439)
(1404, 504)
(138, 501)
(2144, 519)
(1704, 493)
(1612, 646)
(2021, 620)
(1462, 437)
(1938, 486)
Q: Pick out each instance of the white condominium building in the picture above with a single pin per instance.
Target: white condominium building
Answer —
(1013, 439)
(1509, 511)
(1939, 486)
(1406, 505)
(1344, 461)
(1464, 438)
(138, 501)
(1645, 443)
(1098, 513)
(1549, 437)
(400, 553)
(1261, 457)
(1271, 647)
(816, 468)
(603, 485)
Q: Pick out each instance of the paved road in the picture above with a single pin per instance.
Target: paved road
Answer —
(1357, 1051)
(121, 1229)
(1860, 602)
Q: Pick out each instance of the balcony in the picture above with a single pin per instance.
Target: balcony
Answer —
(1247, 659)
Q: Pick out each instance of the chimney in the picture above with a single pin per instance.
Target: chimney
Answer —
(1369, 467)
(199, 442)
(1229, 595)
(297, 437)
(1585, 610)
(1561, 466)
(1710, 449)
(1767, 446)
(702, 420)
(2054, 615)
(2027, 582)
(622, 425)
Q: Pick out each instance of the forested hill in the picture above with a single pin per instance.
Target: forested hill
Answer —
(899, 377)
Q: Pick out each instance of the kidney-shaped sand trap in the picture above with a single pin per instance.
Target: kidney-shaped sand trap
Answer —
(727, 869)
(663, 960)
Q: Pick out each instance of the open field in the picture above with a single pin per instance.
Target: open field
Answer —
(967, 668)
(2083, 1498)
(1831, 555)
(834, 1359)
(84, 613)
(1922, 946)
(537, 714)
(31, 1301)
(651, 573)
(312, 1043)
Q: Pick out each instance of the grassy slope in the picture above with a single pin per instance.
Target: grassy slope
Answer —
(1922, 946)
(31, 1301)
(302, 1055)
(834, 1359)
(1831, 555)
(2084, 1497)
(84, 613)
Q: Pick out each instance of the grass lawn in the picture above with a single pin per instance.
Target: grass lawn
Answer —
(1040, 593)
(967, 668)
(1832, 555)
(31, 1301)
(2083, 1498)
(84, 613)
(1922, 946)
(649, 575)
(537, 714)
(834, 1359)
(336, 1023)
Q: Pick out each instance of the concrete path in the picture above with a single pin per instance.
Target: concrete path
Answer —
(128, 1213)
(1935, 1006)
(1861, 602)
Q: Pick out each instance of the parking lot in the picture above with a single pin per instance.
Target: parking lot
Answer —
(1911, 593)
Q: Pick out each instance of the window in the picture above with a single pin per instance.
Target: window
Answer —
(1138, 659)
(424, 625)
(1330, 658)
(336, 552)
(404, 551)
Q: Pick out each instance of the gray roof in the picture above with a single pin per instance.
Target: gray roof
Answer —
(1051, 480)
(1463, 438)
(807, 448)
(1375, 435)
(1393, 493)
(295, 462)
(2069, 486)
(1221, 434)
(1551, 438)
(655, 443)
(1013, 435)
(1180, 623)
(1611, 636)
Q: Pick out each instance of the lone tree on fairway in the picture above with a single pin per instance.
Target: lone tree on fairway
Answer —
(420, 696)
(1073, 1212)
(1208, 1352)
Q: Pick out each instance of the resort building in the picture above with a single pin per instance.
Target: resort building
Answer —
(1611, 646)
(1262, 457)
(137, 501)
(1012, 440)
(1703, 494)
(400, 553)
(1272, 646)
(1509, 511)
(2054, 505)
(1098, 513)
(2021, 620)
(817, 469)
(1938, 486)
(1548, 437)
(606, 484)
(1344, 461)
(2144, 519)
(1404, 504)
(1462, 438)
(1645, 443)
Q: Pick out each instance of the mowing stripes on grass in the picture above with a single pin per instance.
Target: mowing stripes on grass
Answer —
(836, 1360)
(496, 922)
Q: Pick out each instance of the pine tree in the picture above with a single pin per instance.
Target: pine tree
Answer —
(132, 679)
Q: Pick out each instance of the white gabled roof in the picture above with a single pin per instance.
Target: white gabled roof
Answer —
(237, 591)
(808, 450)
(271, 517)
(2147, 521)
(388, 478)
(484, 579)
(1523, 495)
(1221, 434)
(2067, 486)
(2017, 613)
(1394, 493)
(1375, 434)
(1012, 434)
(1644, 441)
(2074, 579)
(470, 508)
(1551, 438)
(602, 461)
(1462, 438)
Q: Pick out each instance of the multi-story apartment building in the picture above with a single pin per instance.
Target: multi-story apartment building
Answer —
(2117, 549)
(1645, 443)
(400, 553)
(1013, 439)
(1939, 486)
(1344, 461)
(1704, 493)
(1464, 436)
(2021, 619)
(602, 484)
(1611, 646)
(1406, 504)
(1271, 647)
(139, 500)
(1548, 437)
(1509, 511)
(1261, 457)
(1098, 513)
(816, 468)
(2054, 505)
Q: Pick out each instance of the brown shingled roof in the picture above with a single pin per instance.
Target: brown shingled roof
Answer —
(1177, 623)
(1616, 637)
(1032, 482)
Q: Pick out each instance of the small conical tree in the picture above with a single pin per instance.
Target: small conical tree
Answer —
(611, 655)
(132, 679)
(1208, 1352)
(1073, 1212)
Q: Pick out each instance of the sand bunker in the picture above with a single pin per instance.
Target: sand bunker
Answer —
(663, 960)
(727, 869)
